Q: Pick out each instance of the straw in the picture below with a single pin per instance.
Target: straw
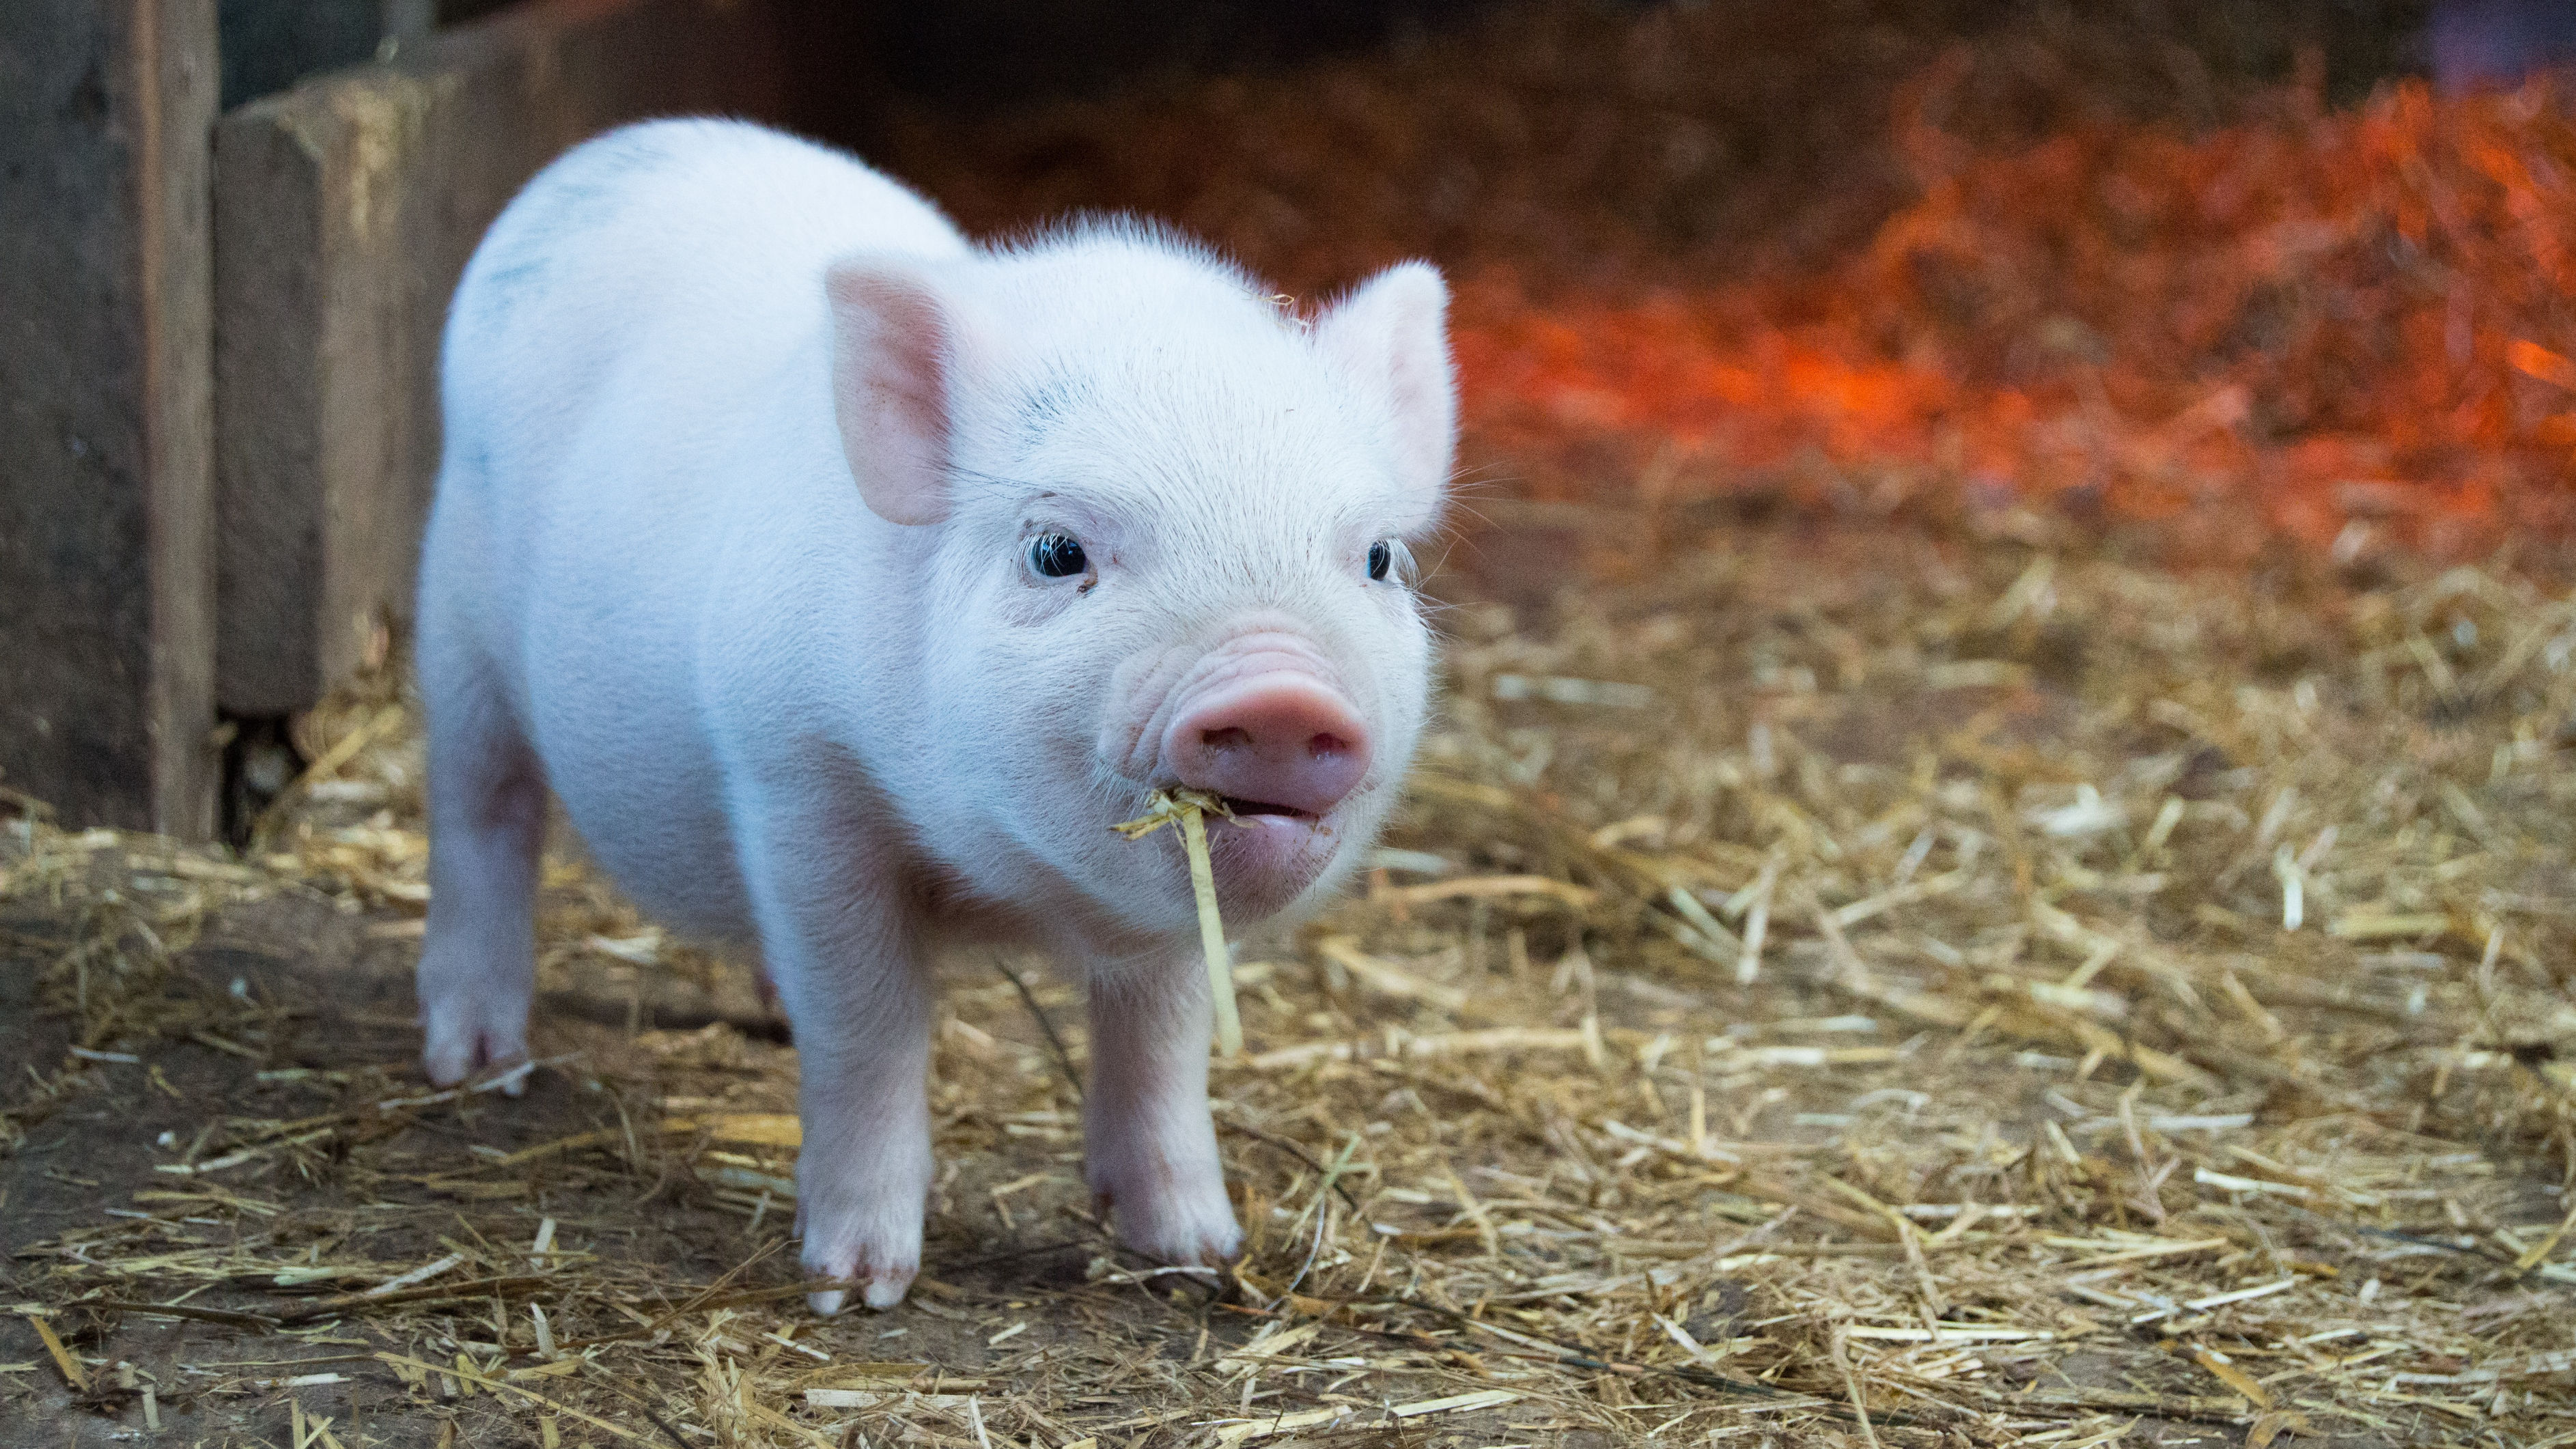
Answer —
(1189, 807)
(2001, 1022)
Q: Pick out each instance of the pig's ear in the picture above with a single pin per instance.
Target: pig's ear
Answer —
(893, 367)
(1393, 334)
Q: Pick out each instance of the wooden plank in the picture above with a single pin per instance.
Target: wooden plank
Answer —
(345, 210)
(106, 549)
(269, 45)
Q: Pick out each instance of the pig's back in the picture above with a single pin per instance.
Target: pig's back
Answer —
(635, 379)
(689, 245)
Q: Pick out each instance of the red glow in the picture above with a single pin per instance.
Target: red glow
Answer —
(2369, 312)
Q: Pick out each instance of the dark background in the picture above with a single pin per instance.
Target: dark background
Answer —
(989, 53)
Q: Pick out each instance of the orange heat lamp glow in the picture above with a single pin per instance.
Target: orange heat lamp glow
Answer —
(2346, 313)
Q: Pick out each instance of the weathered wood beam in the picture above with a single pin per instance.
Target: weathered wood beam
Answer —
(345, 210)
(107, 587)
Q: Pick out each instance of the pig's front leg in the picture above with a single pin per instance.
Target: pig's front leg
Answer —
(1150, 1144)
(856, 984)
(864, 1173)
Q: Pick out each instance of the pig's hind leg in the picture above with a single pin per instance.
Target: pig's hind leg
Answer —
(487, 804)
(1148, 1139)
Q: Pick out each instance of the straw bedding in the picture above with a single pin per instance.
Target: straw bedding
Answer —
(1864, 985)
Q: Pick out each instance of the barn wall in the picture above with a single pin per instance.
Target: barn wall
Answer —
(106, 578)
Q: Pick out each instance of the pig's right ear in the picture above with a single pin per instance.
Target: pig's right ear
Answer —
(1393, 334)
(893, 367)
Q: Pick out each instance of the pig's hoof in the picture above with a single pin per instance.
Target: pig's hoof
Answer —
(878, 1288)
(876, 1248)
(464, 1040)
(1193, 1229)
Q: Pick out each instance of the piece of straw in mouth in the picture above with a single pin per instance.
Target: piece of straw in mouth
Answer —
(1190, 808)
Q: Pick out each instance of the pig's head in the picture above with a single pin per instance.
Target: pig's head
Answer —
(1164, 527)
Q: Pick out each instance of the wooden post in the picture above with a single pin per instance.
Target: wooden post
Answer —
(345, 211)
(106, 470)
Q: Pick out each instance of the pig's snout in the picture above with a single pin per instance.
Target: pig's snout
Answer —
(1274, 742)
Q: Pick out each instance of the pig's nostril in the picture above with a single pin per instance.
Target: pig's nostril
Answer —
(1283, 738)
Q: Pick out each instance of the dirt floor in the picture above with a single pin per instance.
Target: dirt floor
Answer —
(1945, 973)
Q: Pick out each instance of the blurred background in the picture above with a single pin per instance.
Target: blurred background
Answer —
(2216, 271)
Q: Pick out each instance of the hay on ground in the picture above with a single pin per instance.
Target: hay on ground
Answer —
(1902, 989)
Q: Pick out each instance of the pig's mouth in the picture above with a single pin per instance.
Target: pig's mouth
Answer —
(1267, 854)
(1240, 806)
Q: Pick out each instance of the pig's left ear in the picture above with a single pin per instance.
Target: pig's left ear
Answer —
(893, 369)
(1393, 334)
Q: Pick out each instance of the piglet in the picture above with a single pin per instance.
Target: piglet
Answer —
(846, 581)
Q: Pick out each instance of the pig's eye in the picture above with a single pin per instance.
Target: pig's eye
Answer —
(1381, 559)
(1056, 556)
